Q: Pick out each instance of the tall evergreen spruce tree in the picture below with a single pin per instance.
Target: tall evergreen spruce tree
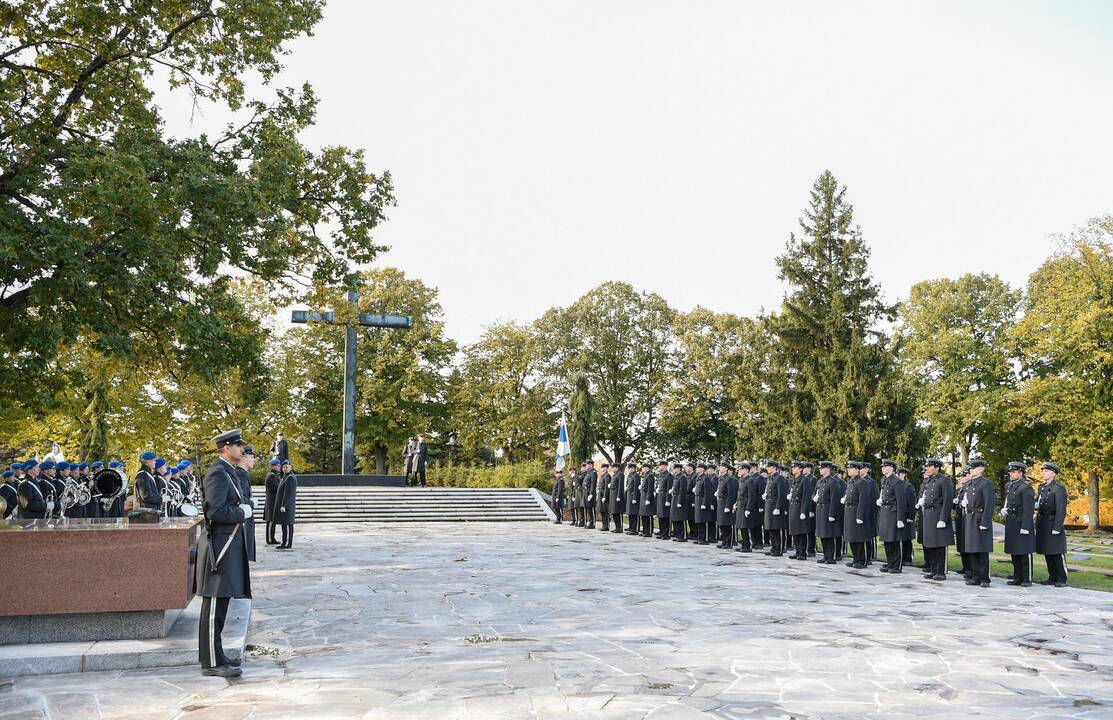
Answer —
(836, 380)
(582, 437)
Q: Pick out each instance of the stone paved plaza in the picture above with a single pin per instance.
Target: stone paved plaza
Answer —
(529, 620)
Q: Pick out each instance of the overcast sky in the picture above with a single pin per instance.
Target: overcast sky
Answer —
(539, 149)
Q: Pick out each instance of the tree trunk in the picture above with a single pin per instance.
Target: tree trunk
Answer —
(380, 459)
(1093, 488)
(964, 454)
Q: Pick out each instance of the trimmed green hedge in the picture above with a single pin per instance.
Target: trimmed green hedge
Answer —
(520, 475)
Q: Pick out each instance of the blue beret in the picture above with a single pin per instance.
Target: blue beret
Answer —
(28, 464)
(17, 466)
(160, 462)
(186, 463)
(97, 465)
(47, 464)
(175, 468)
(63, 465)
(115, 464)
(83, 466)
(148, 456)
(7, 473)
(276, 461)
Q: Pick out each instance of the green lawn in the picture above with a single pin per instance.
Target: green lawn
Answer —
(1003, 568)
(1095, 560)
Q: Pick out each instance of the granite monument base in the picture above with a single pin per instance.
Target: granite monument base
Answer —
(77, 627)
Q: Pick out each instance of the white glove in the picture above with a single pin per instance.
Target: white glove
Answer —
(815, 498)
(254, 504)
(282, 509)
(1054, 532)
(763, 497)
(1005, 510)
(878, 502)
(940, 524)
(702, 507)
(803, 516)
(811, 514)
(165, 498)
(646, 502)
(776, 512)
(860, 522)
(920, 502)
(843, 500)
(789, 496)
(747, 513)
(965, 503)
(1024, 532)
(590, 497)
(900, 523)
(246, 511)
(982, 527)
(830, 519)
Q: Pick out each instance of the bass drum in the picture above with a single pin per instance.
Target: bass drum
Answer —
(188, 510)
(110, 482)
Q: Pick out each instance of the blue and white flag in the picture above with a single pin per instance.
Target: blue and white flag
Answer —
(562, 445)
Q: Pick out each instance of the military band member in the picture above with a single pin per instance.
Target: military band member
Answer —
(907, 554)
(615, 494)
(662, 491)
(147, 492)
(678, 509)
(116, 507)
(632, 501)
(1051, 538)
(222, 566)
(590, 480)
(891, 518)
(647, 500)
(558, 496)
(726, 500)
(980, 504)
(57, 487)
(270, 484)
(36, 500)
(601, 485)
(96, 507)
(9, 493)
(936, 498)
(800, 508)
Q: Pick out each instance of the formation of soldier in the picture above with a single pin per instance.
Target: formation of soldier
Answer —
(835, 516)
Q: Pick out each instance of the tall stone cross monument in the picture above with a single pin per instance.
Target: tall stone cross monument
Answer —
(398, 322)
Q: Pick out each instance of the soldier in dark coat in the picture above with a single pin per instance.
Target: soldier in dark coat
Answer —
(590, 479)
(726, 498)
(678, 508)
(285, 501)
(891, 518)
(602, 483)
(662, 492)
(800, 508)
(148, 493)
(828, 504)
(647, 501)
(632, 498)
(577, 485)
(1020, 534)
(243, 477)
(873, 492)
(936, 497)
(960, 525)
(907, 553)
(703, 515)
(270, 482)
(775, 508)
(616, 487)
(811, 480)
(855, 504)
(36, 500)
(558, 496)
(1051, 538)
(222, 565)
(744, 506)
(980, 503)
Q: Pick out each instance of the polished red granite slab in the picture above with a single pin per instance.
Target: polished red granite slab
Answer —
(93, 566)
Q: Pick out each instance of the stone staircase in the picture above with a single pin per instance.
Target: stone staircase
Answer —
(414, 504)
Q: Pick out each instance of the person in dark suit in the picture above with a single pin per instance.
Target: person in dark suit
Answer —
(589, 480)
(285, 501)
(1051, 536)
(421, 456)
(775, 508)
(936, 497)
(891, 518)
(280, 448)
(678, 502)
(222, 571)
(271, 485)
(907, 552)
(828, 504)
(980, 503)
(647, 501)
(662, 494)
(35, 502)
